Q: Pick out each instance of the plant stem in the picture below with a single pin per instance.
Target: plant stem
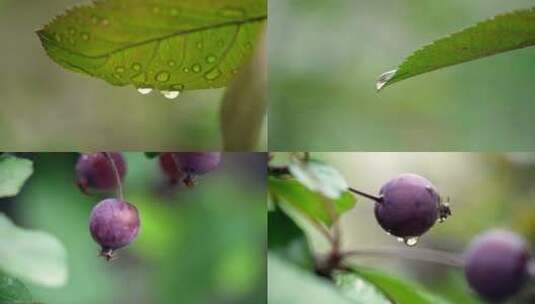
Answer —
(116, 173)
(419, 254)
(377, 199)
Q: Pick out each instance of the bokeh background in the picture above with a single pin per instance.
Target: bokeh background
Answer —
(204, 245)
(47, 108)
(325, 56)
(485, 191)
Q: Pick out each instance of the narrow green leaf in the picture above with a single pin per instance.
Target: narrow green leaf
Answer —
(287, 284)
(311, 203)
(320, 177)
(14, 172)
(244, 106)
(12, 291)
(502, 33)
(356, 288)
(399, 291)
(169, 45)
(32, 255)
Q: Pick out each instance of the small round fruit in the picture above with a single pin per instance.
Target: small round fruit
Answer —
(113, 224)
(94, 172)
(197, 163)
(169, 166)
(409, 206)
(497, 264)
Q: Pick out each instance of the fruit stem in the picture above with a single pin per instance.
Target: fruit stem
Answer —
(116, 173)
(417, 254)
(377, 199)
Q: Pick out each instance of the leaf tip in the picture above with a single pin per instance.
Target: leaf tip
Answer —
(384, 79)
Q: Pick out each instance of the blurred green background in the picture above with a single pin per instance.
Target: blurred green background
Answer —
(46, 108)
(204, 245)
(485, 191)
(325, 56)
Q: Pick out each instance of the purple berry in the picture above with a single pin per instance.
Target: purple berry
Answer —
(189, 165)
(497, 264)
(409, 206)
(113, 224)
(94, 172)
(168, 164)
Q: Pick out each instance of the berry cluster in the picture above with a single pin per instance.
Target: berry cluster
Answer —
(114, 222)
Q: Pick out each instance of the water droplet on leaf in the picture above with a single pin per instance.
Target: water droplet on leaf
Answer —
(85, 36)
(105, 22)
(196, 68)
(119, 69)
(211, 59)
(136, 66)
(186, 70)
(213, 74)
(171, 63)
(384, 79)
(72, 31)
(199, 45)
(231, 12)
(170, 94)
(162, 76)
(144, 91)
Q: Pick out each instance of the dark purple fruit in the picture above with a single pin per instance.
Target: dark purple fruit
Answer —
(188, 165)
(94, 172)
(113, 224)
(168, 164)
(409, 206)
(497, 264)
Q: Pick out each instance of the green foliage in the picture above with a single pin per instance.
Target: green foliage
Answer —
(399, 291)
(289, 284)
(12, 291)
(356, 288)
(14, 172)
(312, 204)
(320, 177)
(32, 255)
(497, 35)
(166, 45)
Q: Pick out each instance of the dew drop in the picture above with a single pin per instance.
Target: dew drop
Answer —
(384, 79)
(231, 12)
(170, 94)
(119, 69)
(213, 74)
(171, 63)
(136, 66)
(85, 36)
(72, 41)
(186, 70)
(162, 76)
(400, 239)
(144, 91)
(411, 241)
(200, 45)
(178, 87)
(211, 59)
(196, 68)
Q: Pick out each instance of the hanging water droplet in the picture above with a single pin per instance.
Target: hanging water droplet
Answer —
(144, 91)
(213, 74)
(211, 59)
(163, 76)
(400, 239)
(411, 241)
(384, 78)
(136, 66)
(196, 68)
(170, 94)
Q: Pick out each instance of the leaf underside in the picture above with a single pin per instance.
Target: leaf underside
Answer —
(170, 45)
(502, 33)
(12, 291)
(14, 172)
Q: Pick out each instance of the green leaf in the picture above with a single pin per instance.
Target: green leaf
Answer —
(287, 284)
(169, 45)
(288, 240)
(399, 291)
(152, 155)
(32, 255)
(12, 291)
(356, 288)
(319, 177)
(311, 203)
(502, 33)
(244, 106)
(14, 172)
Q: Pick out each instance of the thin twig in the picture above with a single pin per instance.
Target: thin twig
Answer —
(377, 199)
(116, 173)
(417, 254)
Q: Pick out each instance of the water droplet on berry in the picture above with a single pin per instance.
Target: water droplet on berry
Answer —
(170, 94)
(144, 91)
(384, 78)
(411, 241)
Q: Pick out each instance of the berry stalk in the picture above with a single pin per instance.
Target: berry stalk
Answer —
(117, 176)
